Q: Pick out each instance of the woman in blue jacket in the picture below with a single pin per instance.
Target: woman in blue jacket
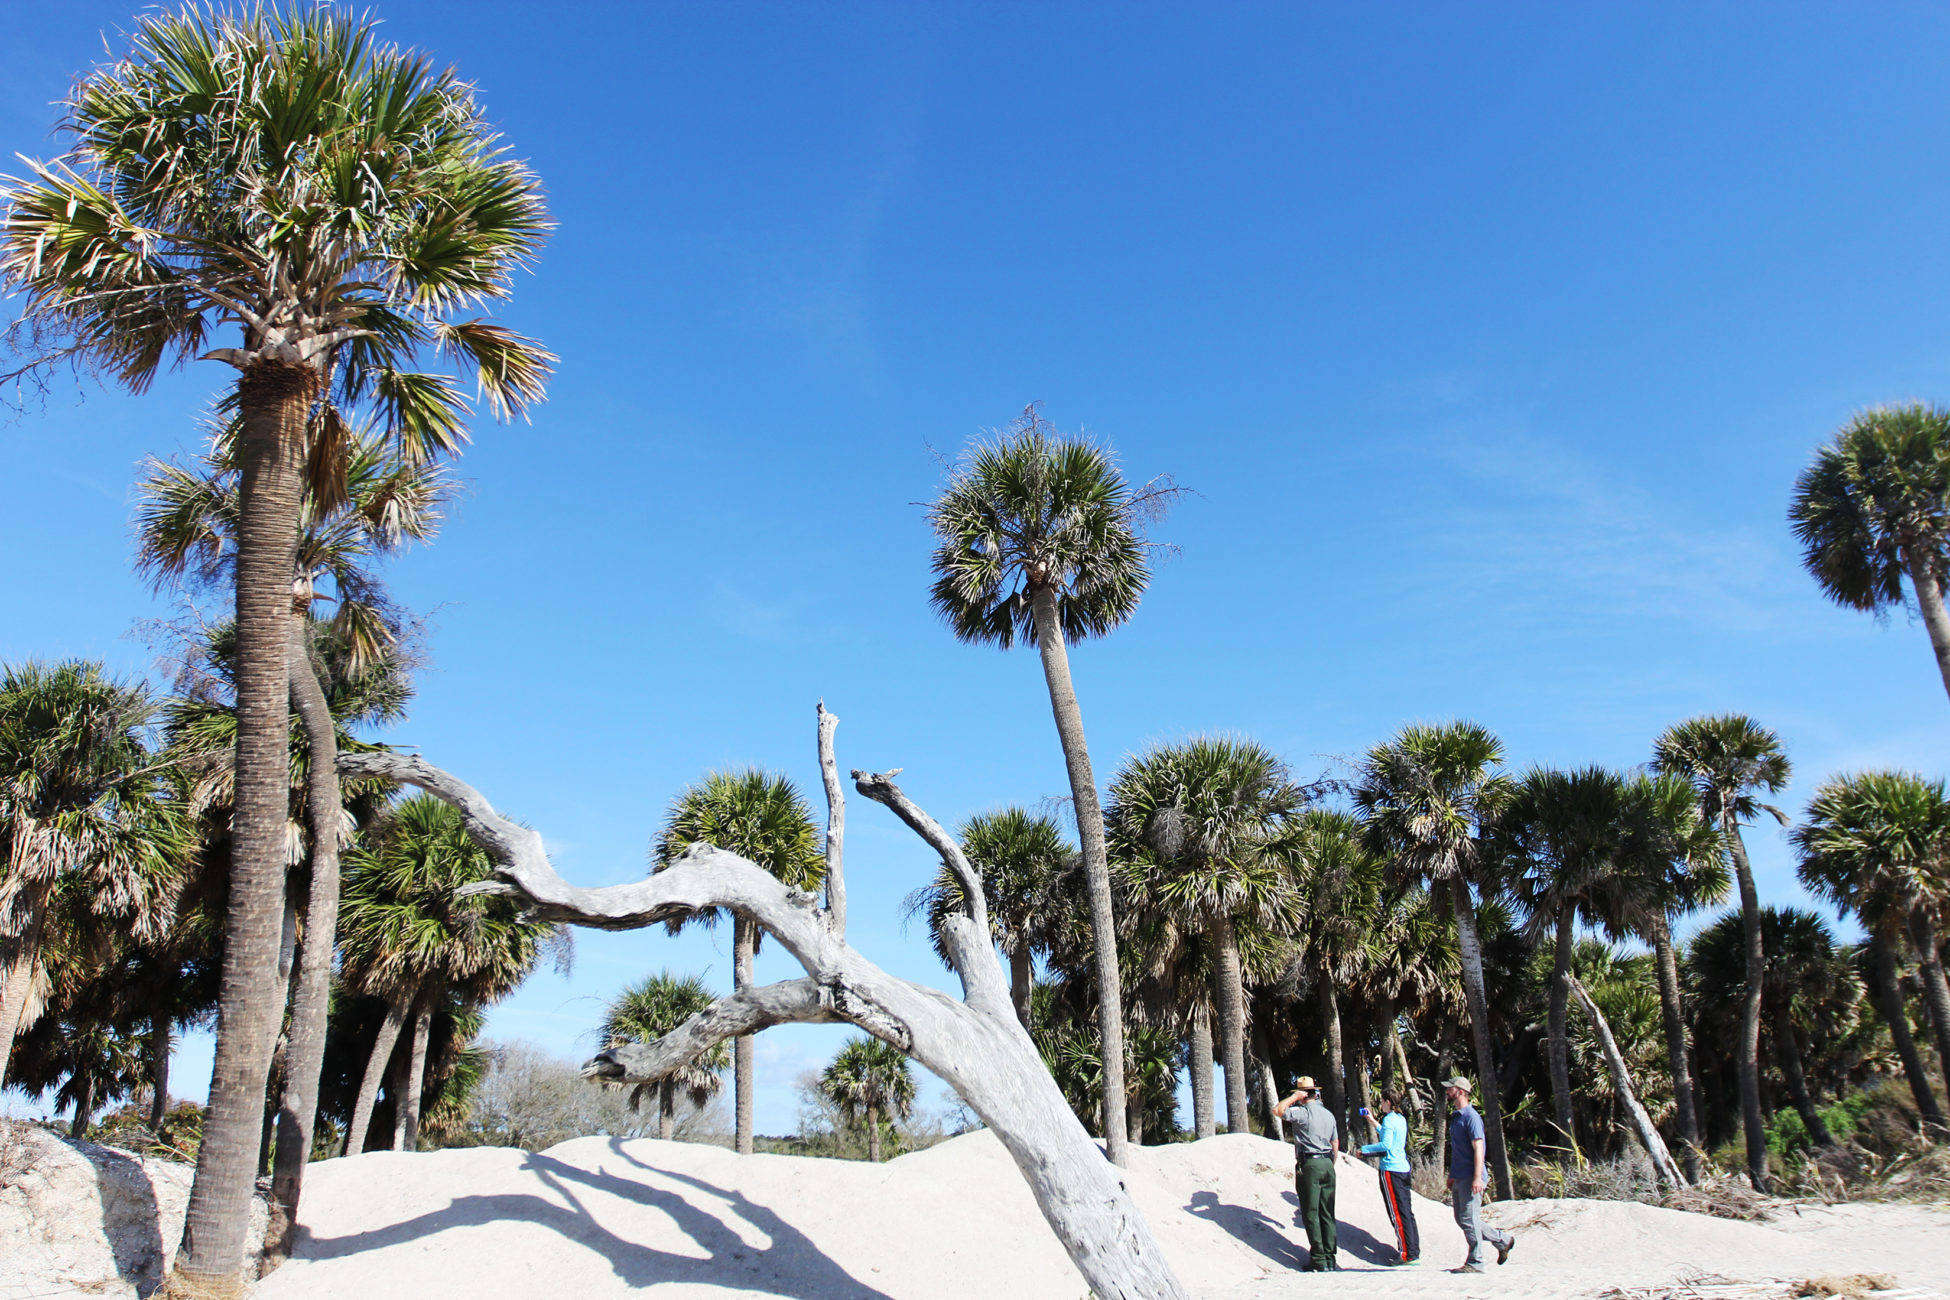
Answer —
(1393, 1150)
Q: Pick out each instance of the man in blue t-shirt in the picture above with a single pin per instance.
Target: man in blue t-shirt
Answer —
(1466, 1178)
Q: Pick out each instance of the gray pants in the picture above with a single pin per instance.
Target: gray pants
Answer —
(1469, 1217)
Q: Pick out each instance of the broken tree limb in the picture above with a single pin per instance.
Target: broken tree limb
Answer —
(1663, 1165)
(829, 775)
(976, 1046)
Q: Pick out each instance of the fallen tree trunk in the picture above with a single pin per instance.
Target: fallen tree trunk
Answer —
(976, 1045)
(1663, 1165)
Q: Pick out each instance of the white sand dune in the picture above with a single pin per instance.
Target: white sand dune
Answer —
(599, 1217)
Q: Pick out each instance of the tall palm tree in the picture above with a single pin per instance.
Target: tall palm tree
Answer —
(645, 1012)
(80, 796)
(1730, 759)
(404, 936)
(1874, 509)
(1197, 822)
(1560, 837)
(764, 819)
(1023, 859)
(866, 1080)
(1426, 798)
(1042, 540)
(187, 531)
(344, 206)
(1671, 862)
(1878, 844)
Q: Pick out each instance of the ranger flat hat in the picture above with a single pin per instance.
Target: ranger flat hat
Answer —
(1305, 1083)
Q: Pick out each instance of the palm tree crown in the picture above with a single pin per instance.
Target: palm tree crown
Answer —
(1877, 844)
(1728, 758)
(759, 816)
(336, 199)
(1875, 502)
(1031, 509)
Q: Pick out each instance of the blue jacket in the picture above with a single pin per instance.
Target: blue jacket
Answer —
(1393, 1147)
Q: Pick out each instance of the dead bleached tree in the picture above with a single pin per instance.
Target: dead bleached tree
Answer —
(1663, 1165)
(976, 1044)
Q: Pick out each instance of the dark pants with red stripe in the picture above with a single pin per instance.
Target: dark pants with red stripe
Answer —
(1401, 1213)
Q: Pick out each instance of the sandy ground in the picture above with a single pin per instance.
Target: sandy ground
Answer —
(600, 1217)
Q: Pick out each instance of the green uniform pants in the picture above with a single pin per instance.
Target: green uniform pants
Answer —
(1313, 1179)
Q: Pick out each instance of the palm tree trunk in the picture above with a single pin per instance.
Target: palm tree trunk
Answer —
(84, 1103)
(1936, 993)
(1230, 986)
(382, 1052)
(20, 965)
(1269, 1090)
(1407, 1076)
(305, 1050)
(873, 1134)
(743, 942)
(275, 399)
(1096, 865)
(160, 1046)
(408, 1128)
(1621, 1078)
(1747, 1048)
(1560, 1029)
(1929, 601)
(667, 1109)
(1787, 1051)
(1330, 1015)
(1203, 1125)
(1391, 1046)
(1022, 980)
(1686, 1117)
(1889, 997)
(1471, 949)
(1359, 1095)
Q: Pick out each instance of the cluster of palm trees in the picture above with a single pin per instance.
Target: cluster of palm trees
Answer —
(341, 209)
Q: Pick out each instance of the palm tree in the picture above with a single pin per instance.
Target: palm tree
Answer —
(645, 1012)
(1559, 839)
(1878, 844)
(1042, 540)
(1341, 884)
(1671, 862)
(867, 1079)
(187, 529)
(764, 819)
(346, 207)
(79, 798)
(405, 937)
(1023, 859)
(1729, 759)
(1425, 798)
(1874, 510)
(1197, 824)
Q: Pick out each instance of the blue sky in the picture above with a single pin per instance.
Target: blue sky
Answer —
(1492, 339)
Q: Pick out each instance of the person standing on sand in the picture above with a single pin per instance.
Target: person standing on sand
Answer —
(1466, 1179)
(1395, 1195)
(1316, 1142)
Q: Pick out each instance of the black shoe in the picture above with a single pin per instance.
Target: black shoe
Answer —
(1503, 1251)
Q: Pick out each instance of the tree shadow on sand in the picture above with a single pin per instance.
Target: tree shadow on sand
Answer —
(790, 1266)
(1266, 1235)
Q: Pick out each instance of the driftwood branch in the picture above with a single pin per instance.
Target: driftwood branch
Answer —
(976, 1046)
(829, 774)
(880, 787)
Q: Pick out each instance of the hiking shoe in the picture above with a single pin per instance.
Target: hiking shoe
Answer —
(1466, 1268)
(1503, 1251)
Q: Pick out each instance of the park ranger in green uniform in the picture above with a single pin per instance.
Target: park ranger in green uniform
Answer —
(1316, 1142)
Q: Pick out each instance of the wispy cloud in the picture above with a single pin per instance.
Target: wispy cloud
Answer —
(1545, 532)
